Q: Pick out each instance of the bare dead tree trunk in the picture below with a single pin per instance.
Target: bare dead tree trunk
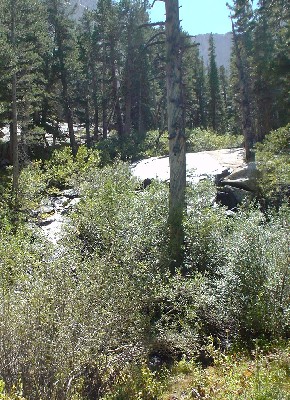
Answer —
(87, 120)
(176, 131)
(14, 138)
(13, 131)
(119, 120)
(128, 90)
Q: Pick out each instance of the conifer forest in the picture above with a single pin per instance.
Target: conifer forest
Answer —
(117, 284)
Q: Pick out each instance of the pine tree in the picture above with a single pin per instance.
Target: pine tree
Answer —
(24, 35)
(88, 94)
(65, 58)
(242, 40)
(225, 100)
(214, 98)
(194, 87)
(271, 65)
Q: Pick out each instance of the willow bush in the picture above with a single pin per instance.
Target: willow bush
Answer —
(83, 318)
(273, 159)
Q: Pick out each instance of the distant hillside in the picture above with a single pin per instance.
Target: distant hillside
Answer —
(223, 44)
(81, 5)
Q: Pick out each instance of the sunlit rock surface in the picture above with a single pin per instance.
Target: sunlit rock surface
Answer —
(201, 165)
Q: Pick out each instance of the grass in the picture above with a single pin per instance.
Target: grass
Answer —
(258, 376)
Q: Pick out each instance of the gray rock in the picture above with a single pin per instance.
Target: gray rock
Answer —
(60, 202)
(47, 209)
(231, 197)
(244, 178)
(202, 165)
(70, 193)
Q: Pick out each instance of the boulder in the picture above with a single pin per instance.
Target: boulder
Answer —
(70, 193)
(244, 178)
(199, 166)
(231, 197)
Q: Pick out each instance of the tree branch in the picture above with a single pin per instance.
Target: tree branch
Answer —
(154, 1)
(152, 24)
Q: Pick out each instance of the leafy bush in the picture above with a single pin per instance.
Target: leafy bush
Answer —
(6, 214)
(206, 227)
(156, 143)
(67, 326)
(15, 393)
(81, 320)
(254, 289)
(263, 375)
(201, 140)
(138, 382)
(245, 262)
(116, 218)
(273, 158)
(38, 179)
(62, 167)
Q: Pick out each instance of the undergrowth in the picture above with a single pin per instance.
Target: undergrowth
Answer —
(264, 374)
(100, 317)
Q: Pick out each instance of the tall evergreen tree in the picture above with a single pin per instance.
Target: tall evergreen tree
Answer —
(242, 38)
(24, 35)
(214, 98)
(225, 100)
(194, 87)
(65, 58)
(271, 65)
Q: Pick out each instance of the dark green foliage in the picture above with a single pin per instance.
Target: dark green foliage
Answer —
(273, 157)
(118, 219)
(81, 318)
(214, 92)
(23, 57)
(202, 140)
(256, 275)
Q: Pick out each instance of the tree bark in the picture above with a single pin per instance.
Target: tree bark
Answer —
(87, 119)
(65, 92)
(128, 87)
(118, 112)
(176, 131)
(14, 138)
(13, 131)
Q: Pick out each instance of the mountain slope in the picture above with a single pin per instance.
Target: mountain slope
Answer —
(223, 44)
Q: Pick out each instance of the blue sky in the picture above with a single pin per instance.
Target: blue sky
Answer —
(198, 16)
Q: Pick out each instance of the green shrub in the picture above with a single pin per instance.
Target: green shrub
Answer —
(156, 143)
(79, 321)
(201, 140)
(62, 167)
(138, 382)
(254, 289)
(15, 394)
(263, 375)
(206, 228)
(6, 214)
(116, 218)
(32, 185)
(67, 325)
(245, 261)
(273, 158)
(38, 179)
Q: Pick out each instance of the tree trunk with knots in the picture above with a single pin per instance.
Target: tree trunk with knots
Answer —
(176, 132)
